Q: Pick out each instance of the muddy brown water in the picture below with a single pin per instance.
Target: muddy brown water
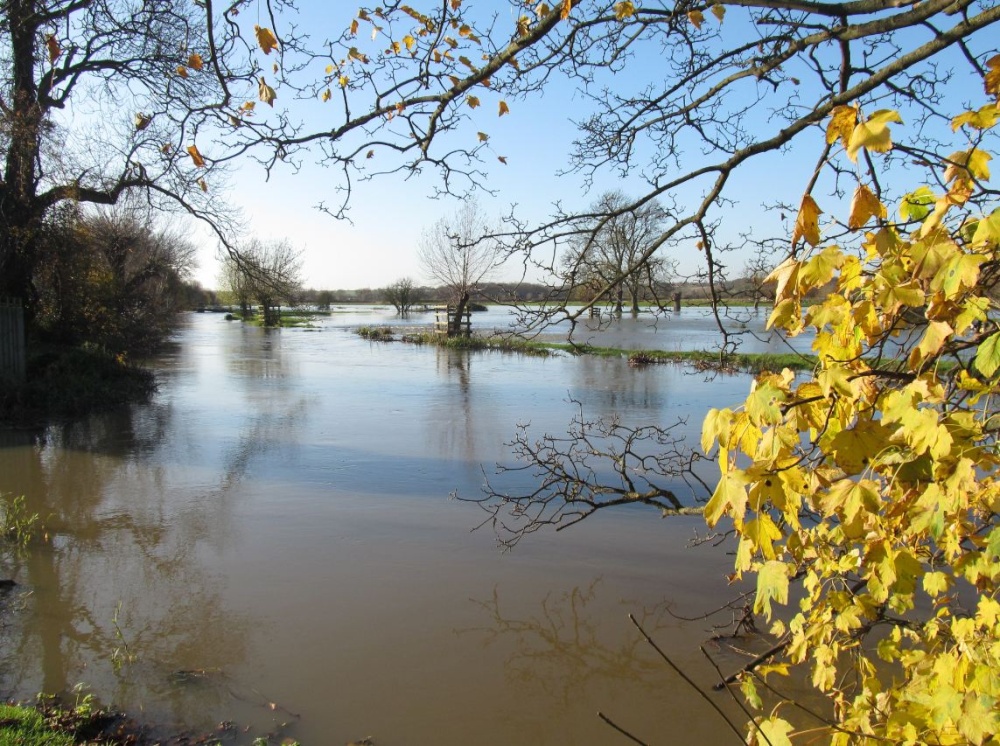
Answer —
(270, 542)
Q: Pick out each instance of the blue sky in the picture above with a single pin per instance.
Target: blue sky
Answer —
(388, 214)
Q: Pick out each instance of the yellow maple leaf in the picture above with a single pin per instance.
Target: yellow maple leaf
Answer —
(964, 163)
(504, 109)
(325, 96)
(697, 18)
(410, 42)
(472, 101)
(343, 80)
(982, 119)
(807, 222)
(719, 11)
(991, 82)
(196, 156)
(864, 206)
(266, 39)
(195, 62)
(842, 122)
(266, 92)
(873, 133)
(624, 9)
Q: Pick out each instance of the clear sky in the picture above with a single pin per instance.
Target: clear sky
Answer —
(379, 244)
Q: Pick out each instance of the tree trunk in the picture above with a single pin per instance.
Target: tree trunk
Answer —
(20, 215)
(455, 323)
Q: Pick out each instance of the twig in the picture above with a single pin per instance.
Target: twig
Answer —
(618, 728)
(687, 679)
(769, 653)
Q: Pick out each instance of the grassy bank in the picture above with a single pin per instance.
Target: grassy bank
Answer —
(734, 363)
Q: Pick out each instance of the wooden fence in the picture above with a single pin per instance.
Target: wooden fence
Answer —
(443, 316)
(12, 353)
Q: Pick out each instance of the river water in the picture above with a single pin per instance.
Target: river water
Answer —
(270, 542)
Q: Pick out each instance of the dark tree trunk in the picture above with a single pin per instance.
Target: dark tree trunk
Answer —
(455, 323)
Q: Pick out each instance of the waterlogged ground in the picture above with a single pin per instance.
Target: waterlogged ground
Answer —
(271, 542)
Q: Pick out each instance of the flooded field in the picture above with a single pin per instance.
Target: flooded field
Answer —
(270, 542)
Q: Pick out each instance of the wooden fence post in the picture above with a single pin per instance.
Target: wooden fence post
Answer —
(12, 350)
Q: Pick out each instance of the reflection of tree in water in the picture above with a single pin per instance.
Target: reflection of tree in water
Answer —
(561, 650)
(459, 433)
(120, 539)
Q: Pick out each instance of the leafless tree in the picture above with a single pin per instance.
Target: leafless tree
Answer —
(267, 272)
(609, 256)
(459, 253)
(401, 295)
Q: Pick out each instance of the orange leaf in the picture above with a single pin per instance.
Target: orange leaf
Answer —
(195, 62)
(472, 101)
(196, 156)
(483, 137)
(182, 71)
(504, 109)
(266, 39)
(567, 6)
(697, 18)
(53, 46)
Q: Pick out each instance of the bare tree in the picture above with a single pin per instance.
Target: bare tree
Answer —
(611, 255)
(268, 272)
(401, 295)
(459, 253)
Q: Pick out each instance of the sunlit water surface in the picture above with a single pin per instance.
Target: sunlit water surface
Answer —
(270, 542)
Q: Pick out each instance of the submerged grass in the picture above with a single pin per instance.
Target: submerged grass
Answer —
(733, 363)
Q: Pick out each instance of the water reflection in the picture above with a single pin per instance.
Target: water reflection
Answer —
(274, 528)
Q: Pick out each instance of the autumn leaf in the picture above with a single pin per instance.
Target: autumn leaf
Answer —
(719, 11)
(410, 42)
(864, 206)
(203, 184)
(567, 6)
(772, 585)
(196, 156)
(697, 18)
(266, 39)
(266, 92)
(502, 159)
(873, 133)
(182, 71)
(195, 62)
(991, 81)
(504, 109)
(964, 163)
(842, 122)
(523, 26)
(483, 137)
(988, 355)
(624, 10)
(917, 204)
(354, 27)
(984, 118)
(142, 121)
(325, 96)
(472, 101)
(807, 222)
(52, 45)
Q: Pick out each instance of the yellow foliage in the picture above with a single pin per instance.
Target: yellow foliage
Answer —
(872, 484)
